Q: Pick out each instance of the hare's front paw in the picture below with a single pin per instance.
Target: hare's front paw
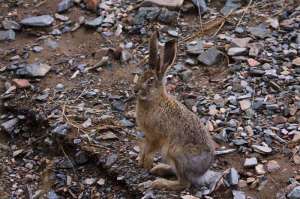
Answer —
(145, 161)
(148, 163)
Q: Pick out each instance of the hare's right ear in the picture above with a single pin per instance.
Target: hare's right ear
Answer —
(153, 51)
(168, 56)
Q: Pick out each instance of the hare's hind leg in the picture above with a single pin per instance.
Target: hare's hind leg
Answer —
(162, 169)
(174, 185)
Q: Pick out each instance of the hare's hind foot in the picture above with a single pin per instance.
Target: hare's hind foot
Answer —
(173, 185)
(162, 170)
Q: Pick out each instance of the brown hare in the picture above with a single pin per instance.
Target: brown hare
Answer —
(169, 126)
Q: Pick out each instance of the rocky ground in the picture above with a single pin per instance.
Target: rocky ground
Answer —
(67, 117)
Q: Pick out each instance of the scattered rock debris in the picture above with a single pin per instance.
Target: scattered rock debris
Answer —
(67, 112)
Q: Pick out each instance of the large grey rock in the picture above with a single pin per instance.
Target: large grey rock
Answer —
(236, 51)
(295, 193)
(34, 70)
(38, 21)
(167, 16)
(7, 35)
(210, 57)
(146, 13)
(95, 22)
(230, 6)
(195, 47)
(10, 125)
(10, 25)
(64, 5)
(259, 31)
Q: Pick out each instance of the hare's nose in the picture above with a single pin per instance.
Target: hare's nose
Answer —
(135, 89)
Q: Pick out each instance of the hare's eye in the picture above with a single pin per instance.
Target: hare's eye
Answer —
(150, 80)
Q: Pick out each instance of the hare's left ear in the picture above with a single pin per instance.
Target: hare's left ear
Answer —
(153, 51)
(167, 56)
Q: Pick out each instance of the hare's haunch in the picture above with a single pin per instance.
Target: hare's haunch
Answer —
(169, 126)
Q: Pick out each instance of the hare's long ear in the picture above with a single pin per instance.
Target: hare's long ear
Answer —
(153, 51)
(168, 56)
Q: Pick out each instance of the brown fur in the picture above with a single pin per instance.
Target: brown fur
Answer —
(169, 126)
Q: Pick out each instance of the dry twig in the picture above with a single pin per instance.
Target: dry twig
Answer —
(245, 11)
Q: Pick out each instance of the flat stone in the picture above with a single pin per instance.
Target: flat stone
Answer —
(126, 123)
(250, 162)
(250, 180)
(87, 123)
(296, 159)
(7, 35)
(173, 32)
(167, 16)
(235, 51)
(61, 129)
(9, 125)
(89, 181)
(195, 47)
(38, 21)
(149, 13)
(164, 3)
(296, 61)
(279, 119)
(272, 166)
(259, 169)
(245, 104)
(111, 160)
(51, 44)
(263, 149)
(61, 17)
(255, 49)
(64, 5)
(238, 194)
(10, 25)
(287, 23)
(81, 158)
(242, 184)
(252, 62)
(101, 182)
(274, 23)
(37, 49)
(239, 142)
(210, 57)
(230, 6)
(95, 22)
(34, 70)
(52, 195)
(187, 197)
(21, 83)
(107, 136)
(233, 177)
(241, 42)
(186, 74)
(260, 31)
